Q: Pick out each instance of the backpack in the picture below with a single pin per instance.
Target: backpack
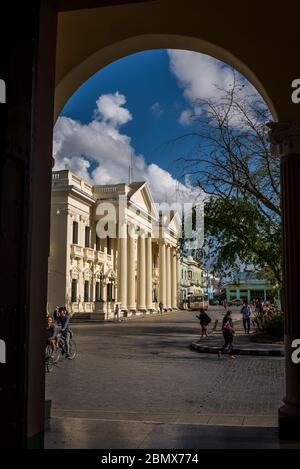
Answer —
(226, 326)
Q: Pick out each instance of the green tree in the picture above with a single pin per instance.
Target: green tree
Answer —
(236, 231)
(233, 163)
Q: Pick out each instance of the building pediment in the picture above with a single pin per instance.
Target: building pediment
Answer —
(141, 197)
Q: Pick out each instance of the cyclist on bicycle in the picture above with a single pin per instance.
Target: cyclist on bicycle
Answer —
(63, 322)
(51, 334)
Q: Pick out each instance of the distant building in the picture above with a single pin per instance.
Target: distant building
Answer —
(211, 286)
(190, 280)
(247, 287)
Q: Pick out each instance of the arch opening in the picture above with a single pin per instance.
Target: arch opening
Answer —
(68, 84)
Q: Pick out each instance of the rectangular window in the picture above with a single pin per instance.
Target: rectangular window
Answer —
(87, 237)
(74, 291)
(75, 232)
(98, 292)
(98, 243)
(110, 292)
(108, 289)
(86, 291)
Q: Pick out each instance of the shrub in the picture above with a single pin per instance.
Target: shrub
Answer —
(272, 325)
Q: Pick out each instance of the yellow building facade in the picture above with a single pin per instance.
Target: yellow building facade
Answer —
(110, 250)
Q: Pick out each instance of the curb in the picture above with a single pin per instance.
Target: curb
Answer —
(121, 320)
(239, 351)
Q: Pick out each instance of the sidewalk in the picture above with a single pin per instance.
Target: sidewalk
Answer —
(242, 344)
(96, 434)
(84, 320)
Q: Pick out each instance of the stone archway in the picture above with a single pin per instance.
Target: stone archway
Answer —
(107, 55)
(269, 53)
(284, 136)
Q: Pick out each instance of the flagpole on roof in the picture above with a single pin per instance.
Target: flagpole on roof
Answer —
(131, 172)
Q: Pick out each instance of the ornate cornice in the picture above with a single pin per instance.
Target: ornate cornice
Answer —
(285, 137)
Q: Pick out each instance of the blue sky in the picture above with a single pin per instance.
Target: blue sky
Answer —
(147, 82)
(135, 108)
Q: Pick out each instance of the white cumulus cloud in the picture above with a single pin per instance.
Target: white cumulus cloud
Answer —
(202, 77)
(110, 109)
(101, 153)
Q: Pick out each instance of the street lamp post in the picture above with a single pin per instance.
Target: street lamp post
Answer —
(110, 298)
(101, 278)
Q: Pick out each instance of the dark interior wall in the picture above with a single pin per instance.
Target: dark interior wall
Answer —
(27, 65)
(18, 40)
(66, 5)
(25, 177)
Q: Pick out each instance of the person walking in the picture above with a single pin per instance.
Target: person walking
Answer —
(228, 333)
(204, 322)
(161, 307)
(246, 312)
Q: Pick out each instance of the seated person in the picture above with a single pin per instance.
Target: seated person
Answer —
(51, 334)
(64, 323)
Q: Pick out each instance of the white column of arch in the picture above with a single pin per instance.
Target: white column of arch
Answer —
(131, 292)
(141, 272)
(123, 267)
(168, 265)
(69, 262)
(174, 278)
(149, 273)
(162, 273)
(80, 285)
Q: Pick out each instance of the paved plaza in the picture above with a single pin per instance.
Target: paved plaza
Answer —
(130, 378)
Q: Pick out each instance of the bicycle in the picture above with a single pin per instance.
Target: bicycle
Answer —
(49, 360)
(61, 348)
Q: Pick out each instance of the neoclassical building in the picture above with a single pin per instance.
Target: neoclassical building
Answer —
(110, 249)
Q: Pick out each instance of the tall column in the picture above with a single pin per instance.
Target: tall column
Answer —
(179, 278)
(131, 269)
(162, 273)
(141, 273)
(168, 265)
(149, 273)
(285, 137)
(122, 256)
(174, 279)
